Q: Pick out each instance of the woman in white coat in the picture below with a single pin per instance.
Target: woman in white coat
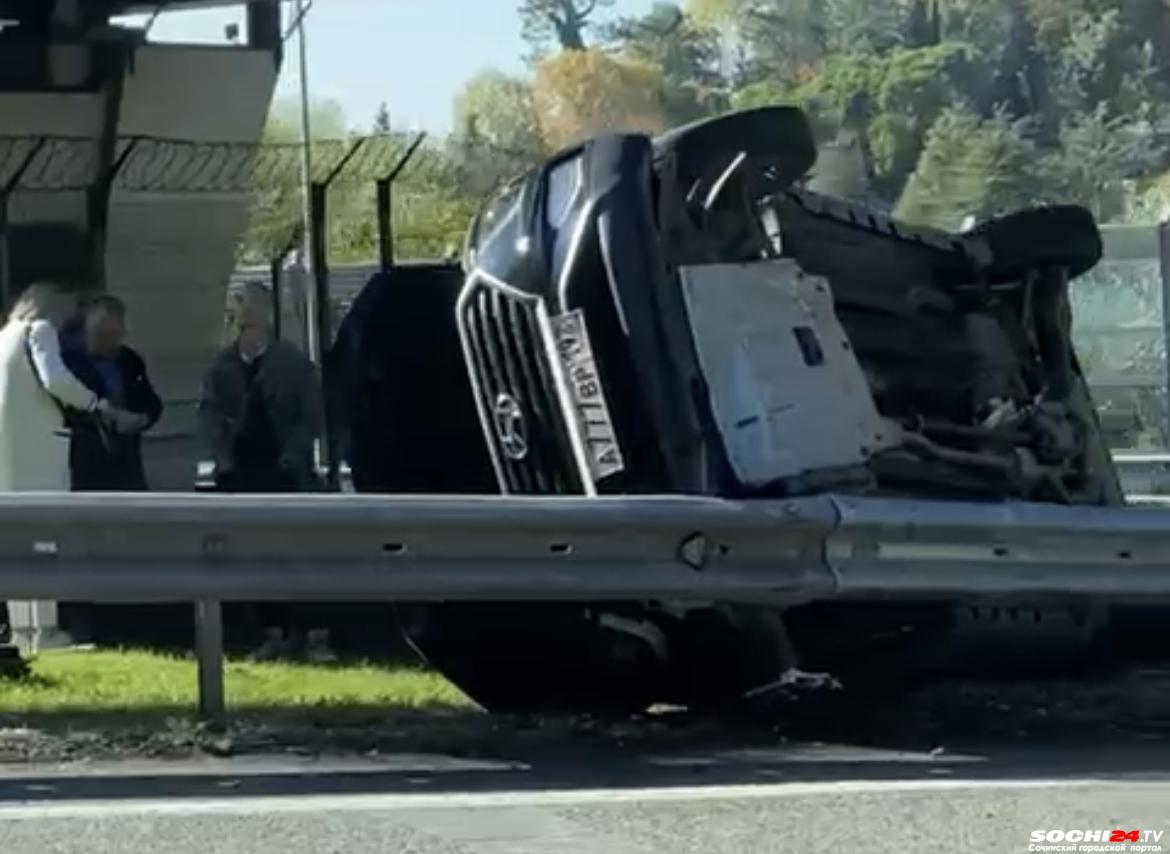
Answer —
(34, 445)
(34, 386)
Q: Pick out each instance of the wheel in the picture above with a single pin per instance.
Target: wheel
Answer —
(1058, 236)
(533, 657)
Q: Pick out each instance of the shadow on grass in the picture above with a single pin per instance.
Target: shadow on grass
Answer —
(326, 729)
(24, 678)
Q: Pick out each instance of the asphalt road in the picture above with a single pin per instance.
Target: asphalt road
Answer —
(791, 798)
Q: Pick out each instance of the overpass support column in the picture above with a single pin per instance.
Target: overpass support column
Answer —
(264, 27)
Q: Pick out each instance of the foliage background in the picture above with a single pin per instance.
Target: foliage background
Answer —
(955, 109)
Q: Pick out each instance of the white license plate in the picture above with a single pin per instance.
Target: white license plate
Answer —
(605, 457)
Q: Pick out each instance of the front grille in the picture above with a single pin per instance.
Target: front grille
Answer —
(514, 382)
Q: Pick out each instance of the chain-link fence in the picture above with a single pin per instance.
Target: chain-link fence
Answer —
(376, 198)
(1120, 332)
(152, 164)
(435, 188)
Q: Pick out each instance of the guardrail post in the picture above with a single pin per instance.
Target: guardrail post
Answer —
(209, 659)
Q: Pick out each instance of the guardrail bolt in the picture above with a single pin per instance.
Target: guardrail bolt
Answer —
(693, 551)
(214, 546)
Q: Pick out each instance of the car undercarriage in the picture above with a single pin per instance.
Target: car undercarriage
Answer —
(681, 315)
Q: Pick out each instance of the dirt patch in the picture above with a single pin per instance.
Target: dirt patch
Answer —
(1133, 706)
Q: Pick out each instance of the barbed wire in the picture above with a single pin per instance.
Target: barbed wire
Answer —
(159, 165)
(146, 164)
(49, 163)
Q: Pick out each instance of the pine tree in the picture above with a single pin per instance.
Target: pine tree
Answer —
(382, 119)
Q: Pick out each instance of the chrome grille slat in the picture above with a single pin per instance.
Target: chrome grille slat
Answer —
(529, 477)
(524, 338)
(519, 478)
(506, 354)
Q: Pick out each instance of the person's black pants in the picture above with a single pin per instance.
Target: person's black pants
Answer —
(294, 618)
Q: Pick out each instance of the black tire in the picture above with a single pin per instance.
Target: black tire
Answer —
(525, 658)
(1058, 236)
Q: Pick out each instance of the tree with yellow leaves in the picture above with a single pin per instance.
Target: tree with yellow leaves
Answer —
(582, 93)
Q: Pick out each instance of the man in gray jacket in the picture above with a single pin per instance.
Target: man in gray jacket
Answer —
(261, 413)
(261, 409)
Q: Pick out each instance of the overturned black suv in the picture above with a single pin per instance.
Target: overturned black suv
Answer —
(679, 315)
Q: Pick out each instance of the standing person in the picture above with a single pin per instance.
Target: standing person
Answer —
(36, 390)
(101, 459)
(261, 413)
(261, 410)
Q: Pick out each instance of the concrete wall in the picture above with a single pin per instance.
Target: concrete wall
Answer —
(72, 114)
(170, 255)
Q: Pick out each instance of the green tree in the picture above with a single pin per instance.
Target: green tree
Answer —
(670, 38)
(498, 110)
(717, 14)
(1084, 82)
(970, 166)
(278, 198)
(869, 26)
(582, 93)
(782, 39)
(688, 54)
(326, 120)
(562, 22)
(382, 119)
(923, 24)
(1096, 158)
(883, 102)
(789, 39)
(497, 135)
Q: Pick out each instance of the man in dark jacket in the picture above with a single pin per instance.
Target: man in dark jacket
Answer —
(261, 410)
(105, 457)
(261, 413)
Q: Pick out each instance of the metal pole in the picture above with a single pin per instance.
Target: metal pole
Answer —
(275, 275)
(322, 324)
(306, 159)
(323, 305)
(5, 263)
(99, 211)
(6, 192)
(319, 255)
(1164, 271)
(386, 205)
(385, 226)
(209, 658)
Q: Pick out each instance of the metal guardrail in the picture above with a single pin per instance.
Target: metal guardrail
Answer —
(882, 548)
(181, 548)
(210, 549)
(1143, 473)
